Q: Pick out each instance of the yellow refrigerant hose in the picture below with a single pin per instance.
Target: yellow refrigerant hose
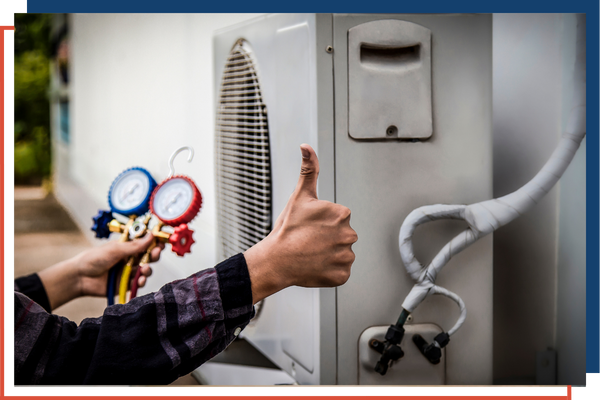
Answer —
(124, 284)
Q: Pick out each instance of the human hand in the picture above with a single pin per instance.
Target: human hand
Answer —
(310, 244)
(93, 265)
(87, 273)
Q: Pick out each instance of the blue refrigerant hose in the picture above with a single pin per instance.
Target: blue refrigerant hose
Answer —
(112, 283)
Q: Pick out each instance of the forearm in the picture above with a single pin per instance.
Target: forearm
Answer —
(62, 282)
(86, 274)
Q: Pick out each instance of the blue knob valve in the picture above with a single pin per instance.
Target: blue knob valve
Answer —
(101, 221)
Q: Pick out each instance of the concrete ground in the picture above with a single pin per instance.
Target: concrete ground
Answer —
(44, 235)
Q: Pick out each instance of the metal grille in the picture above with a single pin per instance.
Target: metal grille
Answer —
(243, 156)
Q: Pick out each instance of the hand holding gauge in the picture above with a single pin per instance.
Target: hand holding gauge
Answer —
(128, 195)
(175, 202)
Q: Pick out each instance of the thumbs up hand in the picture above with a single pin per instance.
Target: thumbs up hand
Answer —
(310, 244)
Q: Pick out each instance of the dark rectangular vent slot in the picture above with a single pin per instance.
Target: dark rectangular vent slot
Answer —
(389, 56)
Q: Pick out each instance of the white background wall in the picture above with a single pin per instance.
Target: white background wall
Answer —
(142, 86)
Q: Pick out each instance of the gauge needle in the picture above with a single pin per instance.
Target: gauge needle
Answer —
(173, 201)
(130, 191)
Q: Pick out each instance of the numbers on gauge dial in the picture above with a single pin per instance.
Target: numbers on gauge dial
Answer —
(173, 199)
(130, 191)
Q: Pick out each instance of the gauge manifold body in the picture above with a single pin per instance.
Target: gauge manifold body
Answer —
(130, 192)
(176, 200)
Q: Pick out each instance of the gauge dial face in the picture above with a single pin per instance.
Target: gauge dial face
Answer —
(130, 191)
(173, 198)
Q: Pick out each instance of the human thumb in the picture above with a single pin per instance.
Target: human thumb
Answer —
(309, 172)
(135, 246)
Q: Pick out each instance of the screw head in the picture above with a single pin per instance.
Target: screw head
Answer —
(391, 130)
(329, 49)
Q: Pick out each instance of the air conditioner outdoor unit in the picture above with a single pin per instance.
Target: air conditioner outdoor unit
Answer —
(399, 111)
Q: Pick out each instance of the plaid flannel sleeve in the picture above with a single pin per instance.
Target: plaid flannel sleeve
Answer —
(152, 340)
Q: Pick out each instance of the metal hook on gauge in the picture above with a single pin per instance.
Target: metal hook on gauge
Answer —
(179, 150)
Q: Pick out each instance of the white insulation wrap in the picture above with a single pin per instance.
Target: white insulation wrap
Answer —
(485, 217)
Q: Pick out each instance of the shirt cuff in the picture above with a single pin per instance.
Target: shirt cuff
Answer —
(234, 282)
(236, 292)
(32, 287)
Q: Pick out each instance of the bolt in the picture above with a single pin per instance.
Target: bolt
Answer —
(329, 49)
(409, 318)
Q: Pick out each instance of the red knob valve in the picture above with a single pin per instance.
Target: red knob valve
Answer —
(181, 240)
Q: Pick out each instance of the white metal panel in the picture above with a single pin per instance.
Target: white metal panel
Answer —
(220, 374)
(383, 181)
(287, 329)
(292, 46)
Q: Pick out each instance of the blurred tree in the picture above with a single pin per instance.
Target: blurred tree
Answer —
(32, 107)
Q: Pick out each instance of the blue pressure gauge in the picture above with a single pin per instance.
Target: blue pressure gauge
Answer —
(130, 192)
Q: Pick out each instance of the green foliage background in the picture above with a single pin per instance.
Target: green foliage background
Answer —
(32, 107)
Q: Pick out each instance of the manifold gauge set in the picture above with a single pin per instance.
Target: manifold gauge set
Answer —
(139, 205)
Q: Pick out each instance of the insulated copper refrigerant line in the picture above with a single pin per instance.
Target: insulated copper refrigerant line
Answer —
(485, 217)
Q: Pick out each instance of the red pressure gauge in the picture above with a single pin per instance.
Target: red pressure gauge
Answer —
(176, 200)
